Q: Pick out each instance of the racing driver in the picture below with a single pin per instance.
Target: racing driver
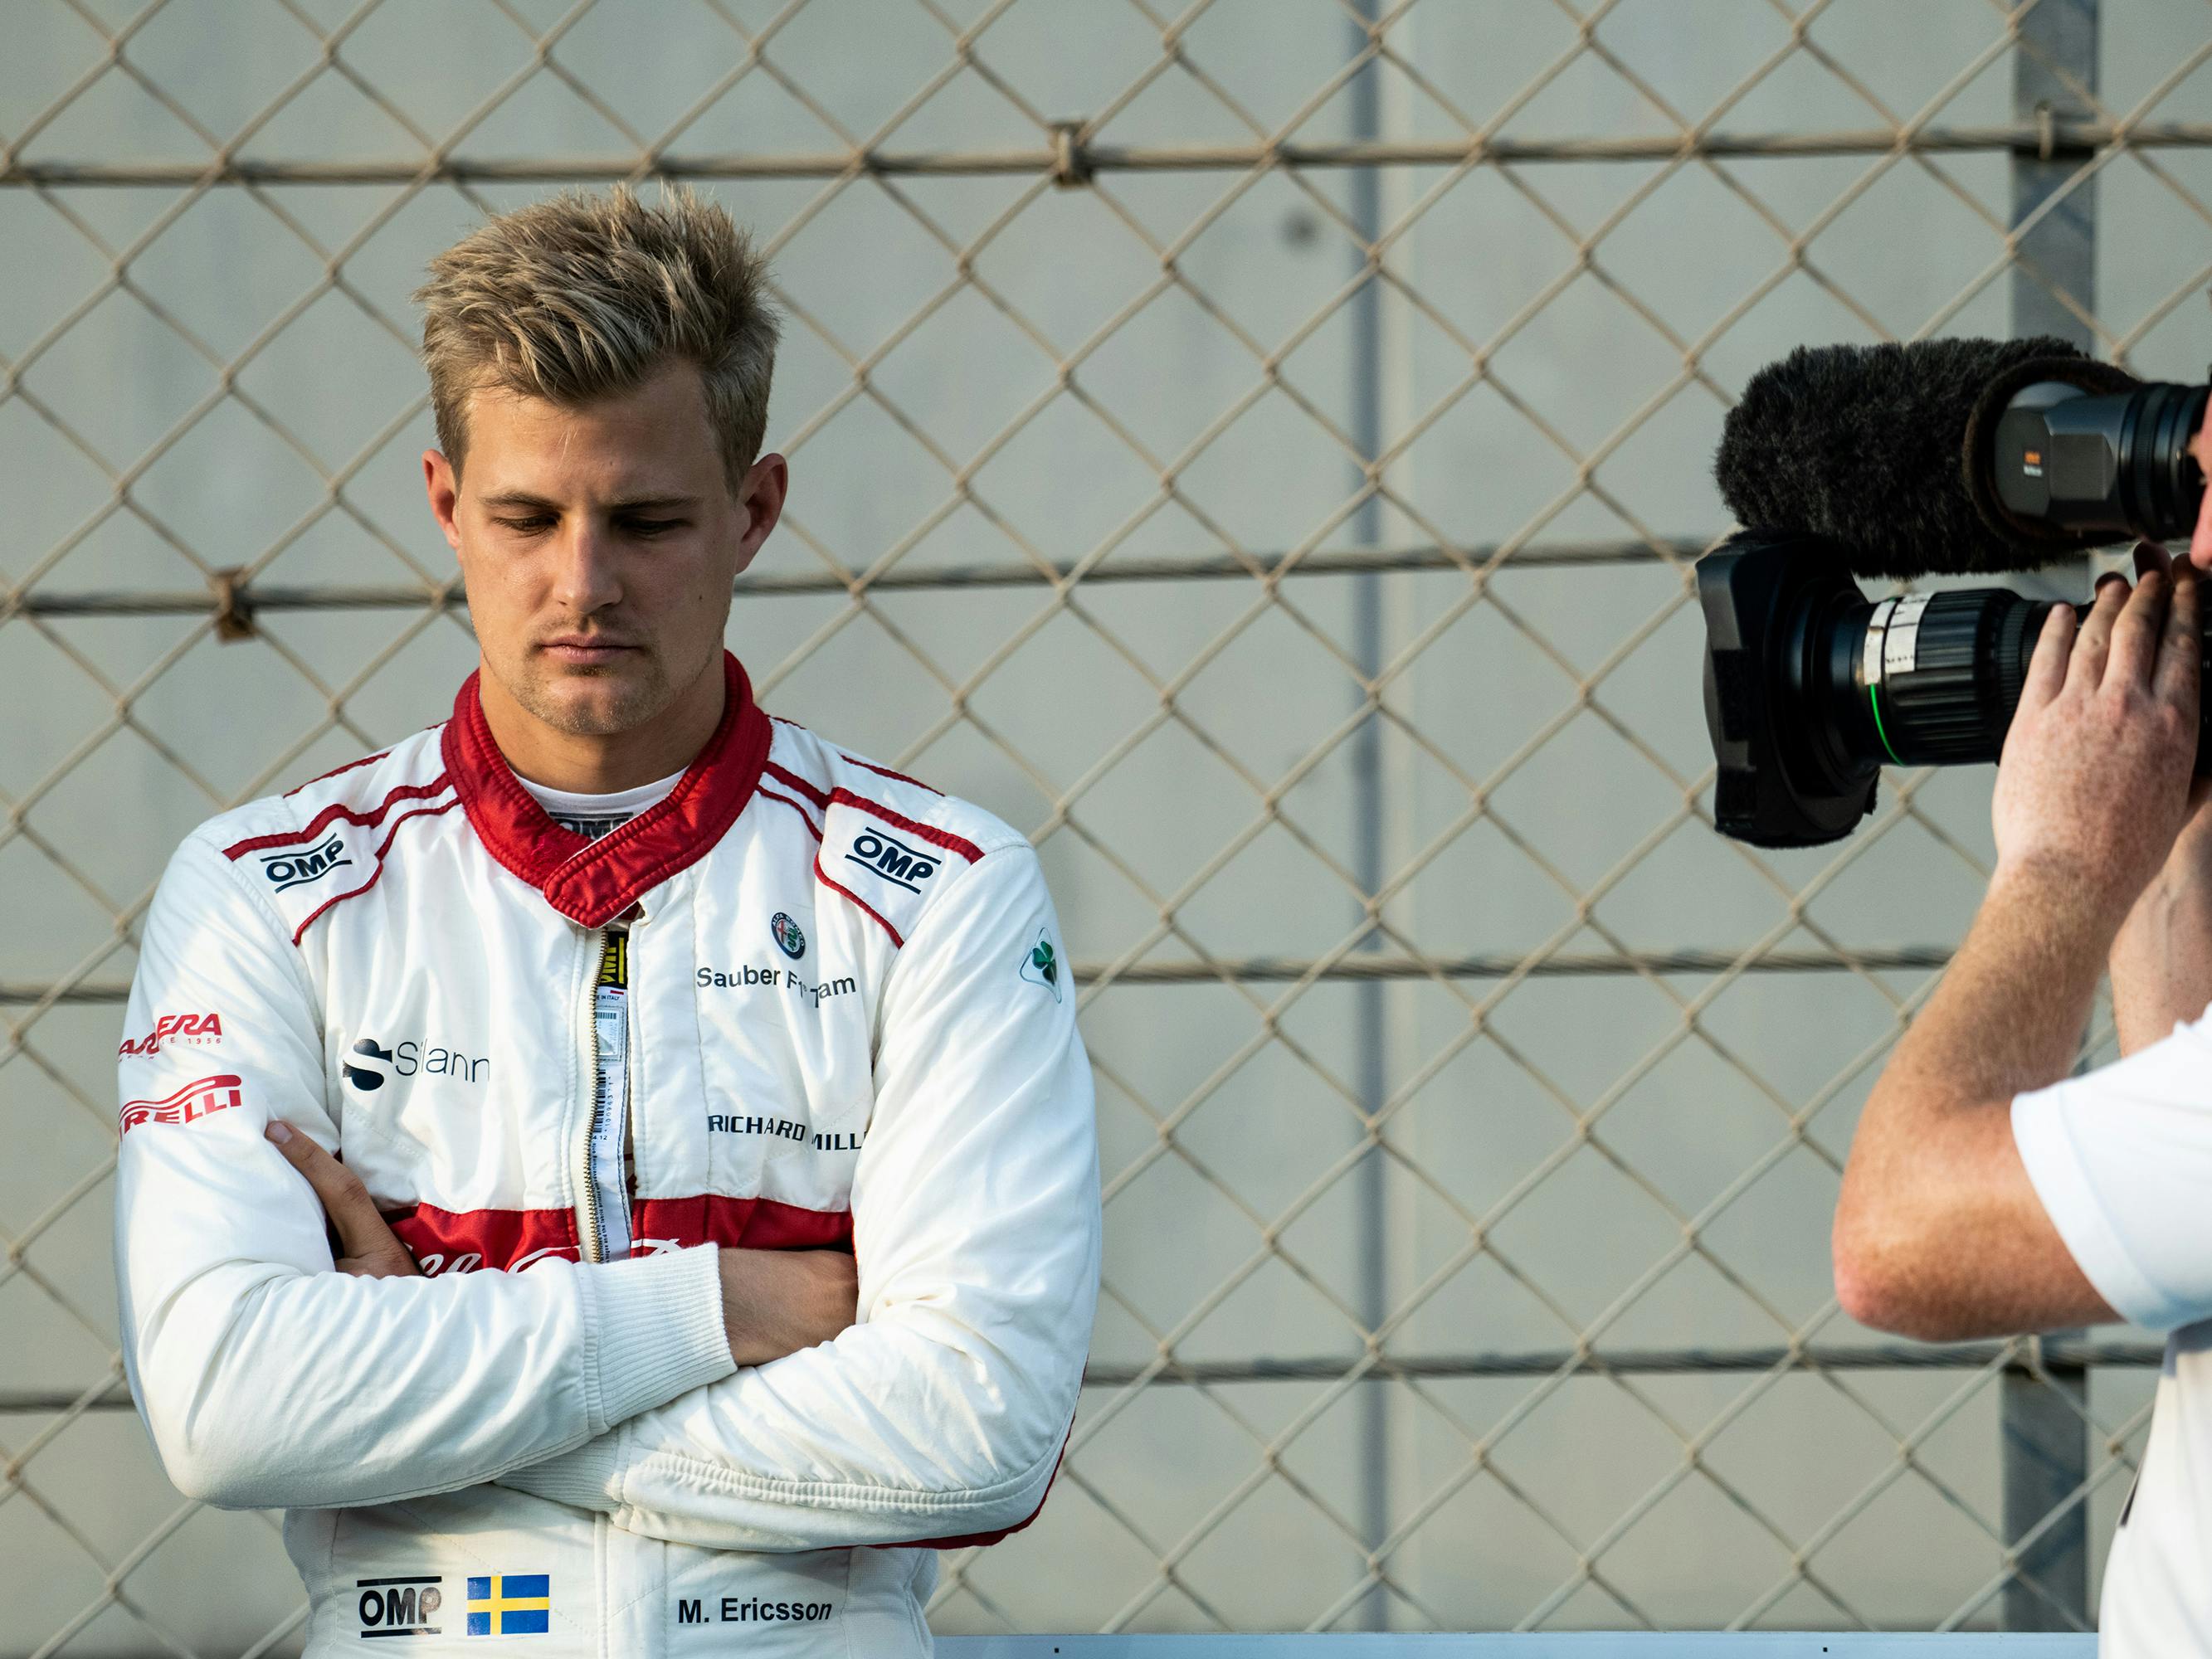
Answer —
(617, 1168)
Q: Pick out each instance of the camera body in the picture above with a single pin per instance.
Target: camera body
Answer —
(1762, 596)
(1810, 687)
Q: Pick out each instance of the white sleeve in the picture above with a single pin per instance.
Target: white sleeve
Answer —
(2121, 1158)
(940, 1416)
(265, 1378)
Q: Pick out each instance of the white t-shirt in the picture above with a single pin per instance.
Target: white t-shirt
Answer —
(2122, 1159)
(591, 816)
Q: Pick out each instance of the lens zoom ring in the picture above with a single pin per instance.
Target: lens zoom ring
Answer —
(1939, 711)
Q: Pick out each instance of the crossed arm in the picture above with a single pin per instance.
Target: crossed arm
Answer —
(738, 1398)
(774, 1302)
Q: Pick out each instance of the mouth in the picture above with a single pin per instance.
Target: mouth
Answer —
(587, 651)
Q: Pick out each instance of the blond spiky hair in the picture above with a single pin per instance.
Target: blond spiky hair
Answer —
(583, 296)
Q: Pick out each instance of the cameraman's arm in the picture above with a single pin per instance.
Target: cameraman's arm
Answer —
(1940, 1231)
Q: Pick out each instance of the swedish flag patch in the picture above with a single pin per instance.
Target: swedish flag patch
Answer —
(511, 1604)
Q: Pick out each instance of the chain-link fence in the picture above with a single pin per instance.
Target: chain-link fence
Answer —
(1259, 449)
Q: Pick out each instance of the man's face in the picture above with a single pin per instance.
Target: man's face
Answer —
(598, 544)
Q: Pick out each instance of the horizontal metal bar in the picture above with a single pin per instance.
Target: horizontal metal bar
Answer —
(251, 597)
(2116, 1355)
(1261, 970)
(1533, 1644)
(28, 991)
(1080, 160)
(1280, 970)
(1489, 1645)
(2028, 1357)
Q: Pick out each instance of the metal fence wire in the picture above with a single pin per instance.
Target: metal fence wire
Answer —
(1259, 449)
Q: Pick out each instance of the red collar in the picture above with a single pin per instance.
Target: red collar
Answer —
(593, 882)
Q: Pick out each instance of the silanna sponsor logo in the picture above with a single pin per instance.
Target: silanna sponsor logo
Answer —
(748, 977)
(200, 1098)
(372, 1064)
(292, 868)
(748, 1610)
(197, 1031)
(399, 1607)
(892, 859)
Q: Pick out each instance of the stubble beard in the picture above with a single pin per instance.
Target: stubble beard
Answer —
(632, 698)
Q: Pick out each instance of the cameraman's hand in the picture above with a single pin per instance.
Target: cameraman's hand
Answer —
(2094, 784)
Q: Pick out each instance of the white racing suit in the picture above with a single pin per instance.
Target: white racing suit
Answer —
(849, 1023)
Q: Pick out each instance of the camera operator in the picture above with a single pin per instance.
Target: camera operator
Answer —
(1988, 1192)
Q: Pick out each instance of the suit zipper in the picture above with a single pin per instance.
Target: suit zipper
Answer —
(626, 1177)
(626, 1150)
(616, 1117)
(587, 1191)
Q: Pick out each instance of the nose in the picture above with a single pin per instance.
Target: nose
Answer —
(589, 580)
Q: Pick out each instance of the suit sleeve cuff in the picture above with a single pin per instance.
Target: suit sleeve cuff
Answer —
(588, 1478)
(655, 1327)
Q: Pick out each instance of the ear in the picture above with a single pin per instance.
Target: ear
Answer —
(443, 485)
(761, 494)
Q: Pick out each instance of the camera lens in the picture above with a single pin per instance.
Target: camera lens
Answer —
(2161, 481)
(1941, 673)
(1811, 688)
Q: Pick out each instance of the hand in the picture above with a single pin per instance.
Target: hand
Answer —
(2094, 784)
(2162, 962)
(369, 1248)
(778, 1302)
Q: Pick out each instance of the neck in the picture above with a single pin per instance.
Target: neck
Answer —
(584, 764)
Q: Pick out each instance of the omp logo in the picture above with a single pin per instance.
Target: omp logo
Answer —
(371, 1063)
(399, 1607)
(894, 860)
(198, 1029)
(189, 1104)
(294, 869)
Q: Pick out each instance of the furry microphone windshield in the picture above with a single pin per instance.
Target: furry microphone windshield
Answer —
(1879, 448)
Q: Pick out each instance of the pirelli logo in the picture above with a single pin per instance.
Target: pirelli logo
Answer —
(195, 1100)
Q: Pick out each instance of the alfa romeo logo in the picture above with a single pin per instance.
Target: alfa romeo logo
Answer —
(788, 939)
